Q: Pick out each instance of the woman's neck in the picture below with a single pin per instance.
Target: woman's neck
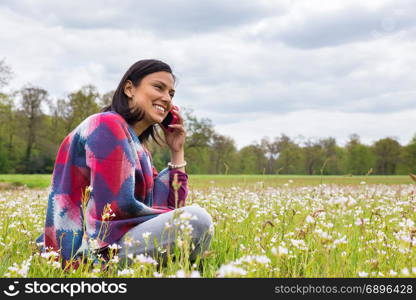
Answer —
(140, 127)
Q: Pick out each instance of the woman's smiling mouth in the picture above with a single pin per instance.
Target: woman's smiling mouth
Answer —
(159, 108)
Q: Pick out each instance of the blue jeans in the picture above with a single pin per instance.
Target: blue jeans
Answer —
(135, 242)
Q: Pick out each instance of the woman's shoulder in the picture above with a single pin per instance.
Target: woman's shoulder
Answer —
(103, 121)
(107, 116)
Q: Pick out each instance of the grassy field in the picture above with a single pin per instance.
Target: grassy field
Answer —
(264, 226)
(31, 181)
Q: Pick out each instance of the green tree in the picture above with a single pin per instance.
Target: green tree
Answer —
(198, 143)
(106, 99)
(58, 127)
(251, 160)
(32, 100)
(80, 105)
(387, 153)
(314, 157)
(290, 157)
(8, 128)
(360, 158)
(333, 155)
(223, 155)
(408, 157)
(199, 131)
(6, 159)
(271, 150)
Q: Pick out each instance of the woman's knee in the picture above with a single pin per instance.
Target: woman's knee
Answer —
(201, 220)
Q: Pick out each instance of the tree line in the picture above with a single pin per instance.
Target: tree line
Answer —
(32, 126)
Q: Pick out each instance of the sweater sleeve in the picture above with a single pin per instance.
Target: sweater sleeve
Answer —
(164, 194)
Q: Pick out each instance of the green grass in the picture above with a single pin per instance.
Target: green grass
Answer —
(201, 181)
(298, 180)
(286, 231)
(265, 226)
(30, 180)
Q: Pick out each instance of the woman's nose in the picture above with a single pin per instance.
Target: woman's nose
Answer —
(167, 97)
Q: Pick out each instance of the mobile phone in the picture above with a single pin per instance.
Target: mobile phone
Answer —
(170, 119)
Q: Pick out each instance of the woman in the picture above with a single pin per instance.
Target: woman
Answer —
(106, 158)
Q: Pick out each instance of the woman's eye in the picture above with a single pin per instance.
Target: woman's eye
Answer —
(158, 87)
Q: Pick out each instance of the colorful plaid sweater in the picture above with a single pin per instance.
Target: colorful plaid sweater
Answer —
(104, 152)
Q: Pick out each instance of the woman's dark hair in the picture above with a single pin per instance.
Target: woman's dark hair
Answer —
(120, 102)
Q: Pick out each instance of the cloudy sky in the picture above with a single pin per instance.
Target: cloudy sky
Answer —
(255, 68)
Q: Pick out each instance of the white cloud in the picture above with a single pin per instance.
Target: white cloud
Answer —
(260, 60)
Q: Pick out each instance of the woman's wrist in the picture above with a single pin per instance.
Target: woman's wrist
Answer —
(178, 158)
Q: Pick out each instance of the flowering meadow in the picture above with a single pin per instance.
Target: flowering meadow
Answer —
(260, 230)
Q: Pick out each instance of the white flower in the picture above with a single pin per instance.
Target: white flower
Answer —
(393, 273)
(22, 270)
(128, 241)
(114, 246)
(181, 274)
(362, 274)
(146, 235)
(300, 244)
(342, 240)
(309, 219)
(230, 271)
(195, 274)
(405, 271)
(410, 223)
(329, 225)
(157, 274)
(125, 272)
(280, 250)
(144, 259)
(187, 216)
(262, 259)
(49, 254)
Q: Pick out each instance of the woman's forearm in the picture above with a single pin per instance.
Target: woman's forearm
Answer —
(178, 157)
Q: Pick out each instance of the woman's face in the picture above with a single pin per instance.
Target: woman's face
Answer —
(153, 95)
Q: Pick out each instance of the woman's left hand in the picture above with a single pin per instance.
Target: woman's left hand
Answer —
(175, 139)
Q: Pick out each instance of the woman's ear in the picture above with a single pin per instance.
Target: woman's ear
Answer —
(128, 88)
